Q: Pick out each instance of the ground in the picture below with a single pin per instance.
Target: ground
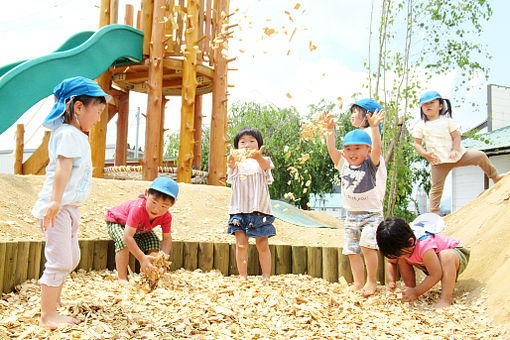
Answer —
(200, 214)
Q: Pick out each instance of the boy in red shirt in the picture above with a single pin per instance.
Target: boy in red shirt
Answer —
(130, 226)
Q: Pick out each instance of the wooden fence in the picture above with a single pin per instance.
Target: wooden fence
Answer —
(24, 260)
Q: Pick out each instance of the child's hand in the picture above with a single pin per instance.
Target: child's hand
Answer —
(146, 264)
(49, 216)
(375, 118)
(231, 162)
(409, 294)
(328, 119)
(257, 154)
(453, 154)
(431, 157)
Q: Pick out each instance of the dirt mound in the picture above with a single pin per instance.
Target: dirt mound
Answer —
(200, 213)
(484, 226)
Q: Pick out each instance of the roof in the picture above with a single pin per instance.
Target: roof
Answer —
(491, 141)
(333, 200)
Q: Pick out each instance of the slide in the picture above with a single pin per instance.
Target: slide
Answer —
(88, 54)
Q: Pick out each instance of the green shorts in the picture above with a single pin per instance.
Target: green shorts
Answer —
(463, 254)
(145, 241)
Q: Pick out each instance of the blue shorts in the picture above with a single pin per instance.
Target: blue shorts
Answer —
(254, 224)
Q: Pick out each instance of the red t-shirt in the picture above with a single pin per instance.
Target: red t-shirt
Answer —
(134, 214)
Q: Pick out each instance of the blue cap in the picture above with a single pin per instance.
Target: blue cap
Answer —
(429, 96)
(357, 137)
(368, 104)
(68, 88)
(165, 185)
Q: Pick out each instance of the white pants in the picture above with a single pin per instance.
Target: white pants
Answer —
(61, 250)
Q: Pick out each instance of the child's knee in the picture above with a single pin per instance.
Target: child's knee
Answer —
(448, 257)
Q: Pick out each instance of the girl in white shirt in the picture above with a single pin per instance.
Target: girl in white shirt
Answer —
(444, 151)
(250, 205)
(80, 102)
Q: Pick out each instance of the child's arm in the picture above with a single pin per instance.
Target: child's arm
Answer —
(374, 120)
(166, 243)
(430, 156)
(431, 261)
(263, 162)
(391, 272)
(62, 172)
(145, 260)
(231, 162)
(334, 153)
(456, 144)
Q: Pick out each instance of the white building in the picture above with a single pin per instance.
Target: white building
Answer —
(329, 203)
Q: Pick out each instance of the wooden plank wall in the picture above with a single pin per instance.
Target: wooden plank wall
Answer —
(24, 260)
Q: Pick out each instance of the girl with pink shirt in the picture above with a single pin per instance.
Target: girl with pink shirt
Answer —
(440, 257)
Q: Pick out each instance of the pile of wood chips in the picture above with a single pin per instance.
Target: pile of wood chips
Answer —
(210, 306)
(149, 282)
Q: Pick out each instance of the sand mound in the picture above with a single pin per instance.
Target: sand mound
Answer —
(484, 226)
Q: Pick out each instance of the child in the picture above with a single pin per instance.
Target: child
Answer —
(440, 257)
(80, 102)
(358, 163)
(130, 226)
(444, 151)
(250, 205)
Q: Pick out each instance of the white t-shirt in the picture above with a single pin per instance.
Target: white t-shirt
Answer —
(381, 174)
(359, 191)
(69, 142)
(437, 138)
(250, 190)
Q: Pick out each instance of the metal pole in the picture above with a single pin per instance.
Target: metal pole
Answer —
(137, 128)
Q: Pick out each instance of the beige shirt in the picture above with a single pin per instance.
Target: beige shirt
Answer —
(250, 190)
(437, 138)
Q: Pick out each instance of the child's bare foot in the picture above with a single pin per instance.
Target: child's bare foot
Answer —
(123, 282)
(497, 178)
(266, 280)
(442, 304)
(369, 289)
(56, 320)
(243, 277)
(355, 287)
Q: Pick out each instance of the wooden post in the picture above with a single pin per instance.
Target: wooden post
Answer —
(176, 255)
(283, 259)
(100, 260)
(10, 259)
(104, 13)
(272, 249)
(299, 260)
(122, 130)
(114, 11)
(197, 134)
(253, 265)
(129, 15)
(344, 266)
(132, 263)
(43, 258)
(191, 255)
(22, 256)
(314, 261)
(189, 87)
(232, 267)
(205, 256)
(162, 132)
(37, 162)
(221, 257)
(147, 18)
(381, 273)
(87, 254)
(330, 264)
(97, 135)
(151, 156)
(34, 260)
(110, 261)
(2, 265)
(18, 153)
(218, 137)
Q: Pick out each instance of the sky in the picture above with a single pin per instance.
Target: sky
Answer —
(323, 60)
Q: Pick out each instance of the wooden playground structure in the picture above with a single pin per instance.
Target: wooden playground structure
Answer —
(184, 46)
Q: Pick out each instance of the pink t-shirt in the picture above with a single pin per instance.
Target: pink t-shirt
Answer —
(437, 242)
(134, 214)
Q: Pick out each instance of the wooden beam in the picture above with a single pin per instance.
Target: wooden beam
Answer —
(104, 13)
(147, 24)
(114, 11)
(36, 163)
(189, 86)
(129, 14)
(197, 134)
(18, 152)
(218, 137)
(122, 131)
(151, 155)
(162, 132)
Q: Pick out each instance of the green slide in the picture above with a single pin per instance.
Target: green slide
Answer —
(88, 54)
(290, 214)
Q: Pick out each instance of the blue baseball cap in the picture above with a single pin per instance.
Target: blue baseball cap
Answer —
(165, 185)
(429, 96)
(68, 88)
(368, 104)
(357, 137)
